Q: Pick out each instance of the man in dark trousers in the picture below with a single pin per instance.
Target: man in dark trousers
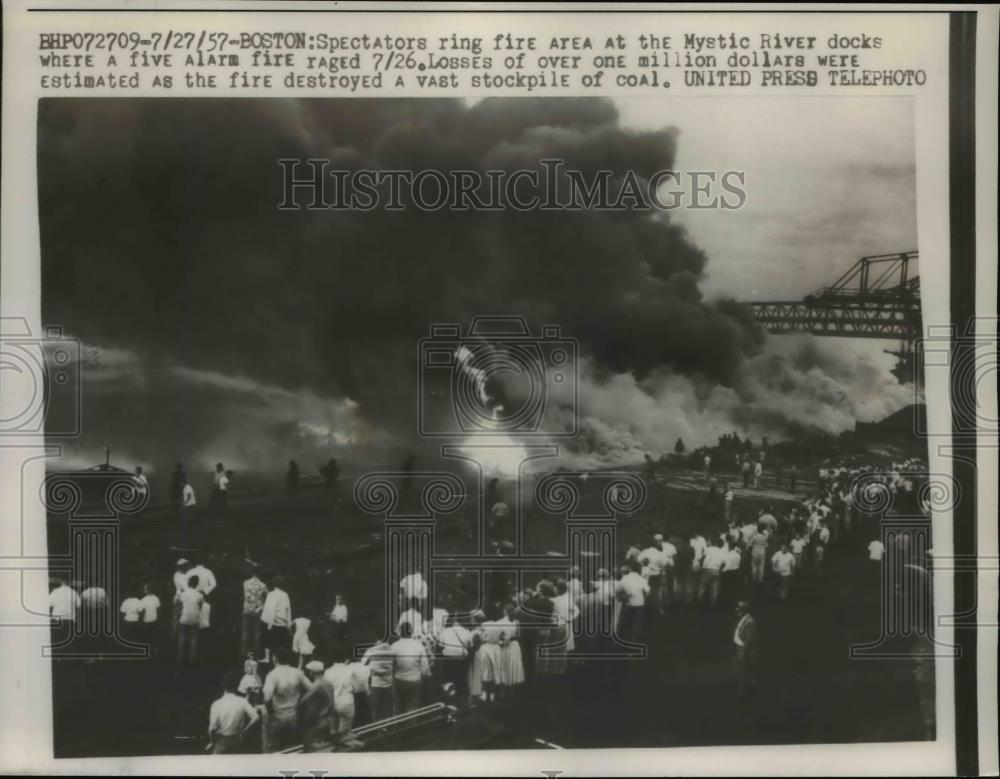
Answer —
(745, 651)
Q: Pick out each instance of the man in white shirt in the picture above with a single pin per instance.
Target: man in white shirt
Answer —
(729, 579)
(276, 617)
(180, 584)
(206, 579)
(381, 662)
(229, 718)
(669, 567)
(798, 547)
(711, 570)
(653, 561)
(181, 576)
(455, 641)
(188, 502)
(189, 622)
(131, 610)
(632, 589)
(604, 587)
(412, 666)
(727, 502)
(876, 550)
(284, 687)
(149, 605)
(783, 564)
(64, 602)
(220, 488)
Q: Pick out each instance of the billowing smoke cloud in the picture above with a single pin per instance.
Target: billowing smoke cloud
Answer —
(160, 235)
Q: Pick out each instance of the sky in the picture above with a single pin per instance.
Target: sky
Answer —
(828, 181)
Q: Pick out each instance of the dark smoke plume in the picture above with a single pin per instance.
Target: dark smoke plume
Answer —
(160, 235)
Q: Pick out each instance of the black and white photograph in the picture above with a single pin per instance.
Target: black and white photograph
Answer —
(657, 521)
(497, 392)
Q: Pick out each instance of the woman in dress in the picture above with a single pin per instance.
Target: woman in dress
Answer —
(301, 644)
(489, 658)
(511, 665)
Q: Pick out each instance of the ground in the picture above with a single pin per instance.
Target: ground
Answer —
(682, 694)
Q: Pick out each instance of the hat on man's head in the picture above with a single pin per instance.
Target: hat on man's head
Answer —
(182, 561)
(316, 666)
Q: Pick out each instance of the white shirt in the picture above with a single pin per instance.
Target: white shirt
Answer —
(715, 556)
(191, 601)
(187, 496)
(875, 550)
(798, 545)
(150, 606)
(277, 611)
(222, 481)
(411, 660)
(341, 678)
(455, 641)
(229, 715)
(439, 617)
(94, 597)
(635, 588)
(141, 483)
(733, 559)
(206, 579)
(64, 601)
(130, 609)
(339, 613)
(180, 582)
(824, 534)
(698, 546)
(669, 552)
(284, 686)
(758, 469)
(413, 586)
(653, 560)
(783, 563)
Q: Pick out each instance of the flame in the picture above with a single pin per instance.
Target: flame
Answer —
(500, 456)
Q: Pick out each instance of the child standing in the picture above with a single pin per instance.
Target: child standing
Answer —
(251, 685)
(301, 644)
